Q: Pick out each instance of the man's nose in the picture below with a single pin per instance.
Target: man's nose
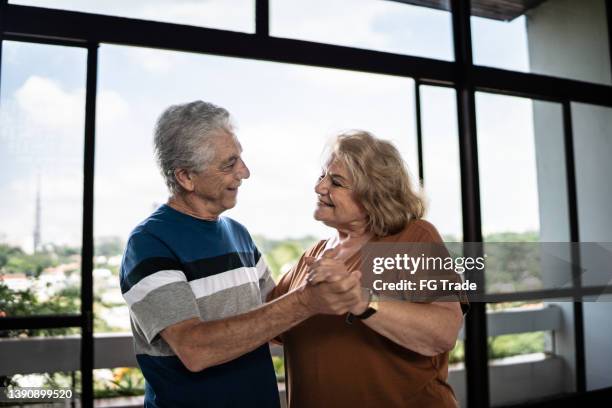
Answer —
(243, 170)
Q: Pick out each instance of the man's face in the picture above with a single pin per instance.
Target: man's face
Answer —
(217, 186)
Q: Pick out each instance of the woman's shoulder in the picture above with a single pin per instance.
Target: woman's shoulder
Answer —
(314, 251)
(419, 230)
(316, 248)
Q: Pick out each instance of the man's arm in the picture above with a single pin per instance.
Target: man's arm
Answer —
(200, 344)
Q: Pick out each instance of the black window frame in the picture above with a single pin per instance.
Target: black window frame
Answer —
(86, 30)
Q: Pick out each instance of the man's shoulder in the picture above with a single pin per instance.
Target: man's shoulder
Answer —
(146, 239)
(235, 227)
(146, 251)
(156, 224)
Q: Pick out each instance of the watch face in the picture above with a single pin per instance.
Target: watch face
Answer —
(374, 300)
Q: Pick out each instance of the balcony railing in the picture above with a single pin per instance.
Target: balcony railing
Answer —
(535, 375)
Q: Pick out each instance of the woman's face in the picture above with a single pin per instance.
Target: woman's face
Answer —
(336, 205)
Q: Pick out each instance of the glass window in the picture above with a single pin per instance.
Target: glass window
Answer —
(530, 349)
(41, 182)
(442, 179)
(507, 162)
(371, 24)
(235, 15)
(521, 153)
(442, 188)
(523, 193)
(561, 38)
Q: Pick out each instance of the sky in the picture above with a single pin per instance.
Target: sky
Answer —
(284, 115)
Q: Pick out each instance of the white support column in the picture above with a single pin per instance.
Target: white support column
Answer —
(569, 38)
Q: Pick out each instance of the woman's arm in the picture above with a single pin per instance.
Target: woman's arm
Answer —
(426, 328)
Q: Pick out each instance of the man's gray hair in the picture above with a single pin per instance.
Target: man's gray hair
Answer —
(184, 138)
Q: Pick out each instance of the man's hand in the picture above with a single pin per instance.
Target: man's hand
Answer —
(326, 268)
(337, 297)
(330, 287)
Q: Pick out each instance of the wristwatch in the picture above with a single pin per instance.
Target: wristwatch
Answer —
(372, 308)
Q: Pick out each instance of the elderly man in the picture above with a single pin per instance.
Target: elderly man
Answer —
(196, 283)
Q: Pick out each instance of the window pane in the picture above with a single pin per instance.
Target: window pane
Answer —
(442, 187)
(371, 24)
(41, 182)
(442, 180)
(235, 15)
(562, 38)
(506, 157)
(523, 193)
(531, 350)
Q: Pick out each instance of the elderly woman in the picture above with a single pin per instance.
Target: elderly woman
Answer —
(395, 354)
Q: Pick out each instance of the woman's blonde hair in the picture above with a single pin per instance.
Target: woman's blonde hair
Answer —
(381, 182)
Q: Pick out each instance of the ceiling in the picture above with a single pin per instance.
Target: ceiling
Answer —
(504, 10)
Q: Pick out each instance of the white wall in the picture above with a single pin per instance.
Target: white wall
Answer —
(593, 149)
(569, 38)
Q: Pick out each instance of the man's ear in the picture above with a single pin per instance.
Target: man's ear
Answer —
(184, 179)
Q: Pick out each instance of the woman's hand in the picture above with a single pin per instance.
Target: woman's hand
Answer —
(338, 297)
(326, 268)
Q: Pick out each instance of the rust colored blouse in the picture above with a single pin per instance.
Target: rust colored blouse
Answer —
(330, 363)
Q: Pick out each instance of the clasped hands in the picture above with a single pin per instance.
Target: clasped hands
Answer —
(330, 288)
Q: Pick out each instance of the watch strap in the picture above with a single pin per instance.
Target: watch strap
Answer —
(350, 318)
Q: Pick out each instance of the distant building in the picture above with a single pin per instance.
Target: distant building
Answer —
(16, 281)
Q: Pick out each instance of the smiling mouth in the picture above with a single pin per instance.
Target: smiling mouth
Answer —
(325, 204)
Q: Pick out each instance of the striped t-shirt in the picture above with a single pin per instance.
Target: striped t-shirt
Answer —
(177, 267)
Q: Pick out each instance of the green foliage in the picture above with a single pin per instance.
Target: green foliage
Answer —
(511, 268)
(7, 252)
(126, 382)
(507, 345)
(64, 251)
(281, 254)
(30, 265)
(266, 245)
(510, 345)
(279, 367)
(25, 303)
(457, 354)
(15, 303)
(528, 236)
(109, 246)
